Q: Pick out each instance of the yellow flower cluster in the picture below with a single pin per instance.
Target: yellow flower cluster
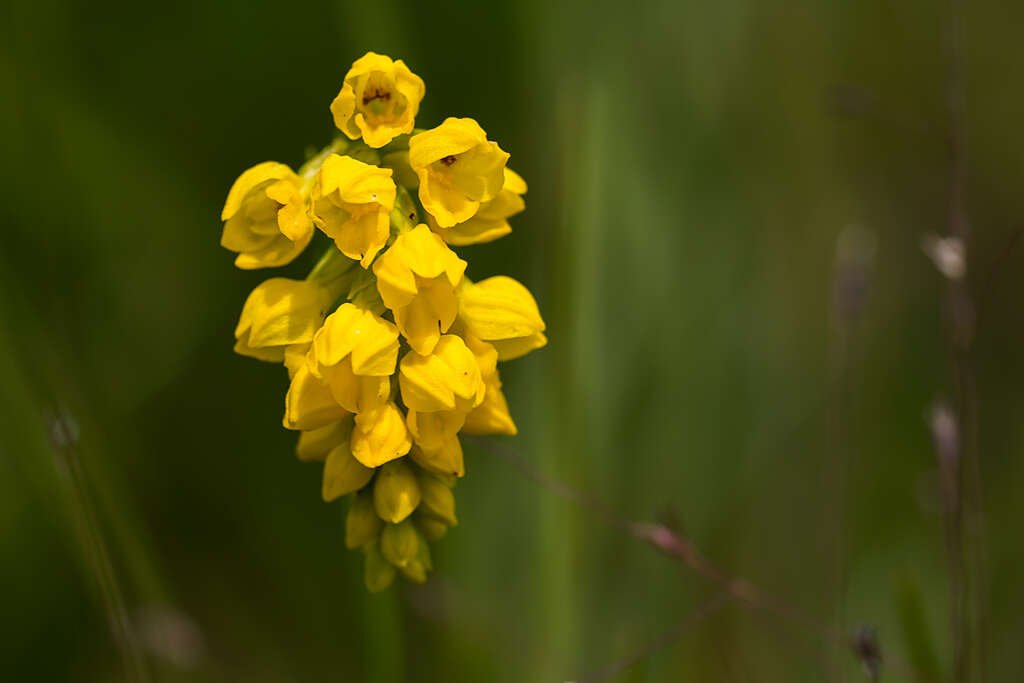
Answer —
(391, 350)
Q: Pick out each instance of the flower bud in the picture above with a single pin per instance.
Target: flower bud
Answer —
(380, 435)
(399, 543)
(447, 459)
(343, 474)
(431, 528)
(396, 492)
(362, 525)
(315, 444)
(416, 570)
(432, 431)
(378, 573)
(436, 499)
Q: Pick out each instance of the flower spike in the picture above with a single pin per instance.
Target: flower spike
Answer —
(391, 351)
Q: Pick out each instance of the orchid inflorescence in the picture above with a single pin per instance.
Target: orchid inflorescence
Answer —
(391, 350)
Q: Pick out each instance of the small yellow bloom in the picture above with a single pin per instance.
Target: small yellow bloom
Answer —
(352, 203)
(362, 524)
(265, 217)
(491, 220)
(378, 101)
(355, 353)
(416, 279)
(492, 416)
(315, 444)
(447, 379)
(458, 169)
(502, 311)
(278, 313)
(396, 493)
(485, 354)
(380, 435)
(309, 403)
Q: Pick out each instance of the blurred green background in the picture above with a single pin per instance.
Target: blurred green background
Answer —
(690, 179)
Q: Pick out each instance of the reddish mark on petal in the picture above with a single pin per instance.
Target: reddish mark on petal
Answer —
(376, 95)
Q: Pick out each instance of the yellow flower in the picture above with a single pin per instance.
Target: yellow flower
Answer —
(378, 100)
(354, 353)
(352, 203)
(380, 435)
(434, 433)
(416, 279)
(492, 415)
(458, 169)
(265, 217)
(309, 403)
(501, 311)
(438, 390)
(445, 380)
(491, 220)
(278, 313)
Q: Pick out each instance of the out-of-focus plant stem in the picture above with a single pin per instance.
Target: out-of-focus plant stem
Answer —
(674, 544)
(63, 439)
(692, 619)
(968, 509)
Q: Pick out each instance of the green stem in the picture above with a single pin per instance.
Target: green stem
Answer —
(308, 170)
(404, 216)
(363, 292)
(334, 271)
